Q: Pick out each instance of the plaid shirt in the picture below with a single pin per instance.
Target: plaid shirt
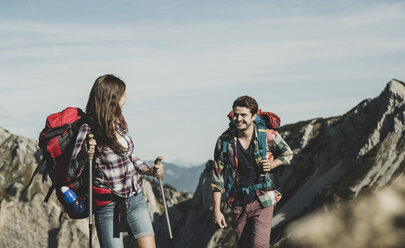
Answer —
(277, 148)
(121, 173)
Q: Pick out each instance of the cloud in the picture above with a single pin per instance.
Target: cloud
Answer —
(285, 57)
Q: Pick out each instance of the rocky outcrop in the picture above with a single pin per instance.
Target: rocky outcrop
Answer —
(373, 220)
(339, 157)
(25, 220)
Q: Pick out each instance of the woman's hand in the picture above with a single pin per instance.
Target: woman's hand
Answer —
(90, 147)
(157, 170)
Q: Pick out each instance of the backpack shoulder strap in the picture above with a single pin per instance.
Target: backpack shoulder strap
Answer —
(226, 141)
(225, 138)
(262, 134)
(40, 165)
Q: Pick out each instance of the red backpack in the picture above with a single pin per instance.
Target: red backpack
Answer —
(272, 120)
(57, 141)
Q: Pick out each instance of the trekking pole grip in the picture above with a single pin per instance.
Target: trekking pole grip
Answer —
(158, 161)
(91, 138)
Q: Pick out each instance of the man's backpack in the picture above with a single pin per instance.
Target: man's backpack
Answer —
(57, 141)
(265, 122)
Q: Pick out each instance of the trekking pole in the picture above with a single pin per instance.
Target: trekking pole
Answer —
(91, 136)
(157, 162)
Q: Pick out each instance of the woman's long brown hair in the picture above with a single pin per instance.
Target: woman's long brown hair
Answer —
(104, 112)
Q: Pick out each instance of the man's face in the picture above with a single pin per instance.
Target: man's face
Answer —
(242, 118)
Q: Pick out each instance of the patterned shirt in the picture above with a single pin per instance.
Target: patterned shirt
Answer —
(121, 173)
(277, 148)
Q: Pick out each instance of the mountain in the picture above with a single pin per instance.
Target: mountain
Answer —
(339, 158)
(347, 168)
(26, 221)
(184, 164)
(353, 224)
(181, 178)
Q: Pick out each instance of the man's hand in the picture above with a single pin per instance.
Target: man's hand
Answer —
(268, 165)
(219, 219)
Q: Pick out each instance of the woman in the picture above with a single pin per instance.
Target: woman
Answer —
(116, 167)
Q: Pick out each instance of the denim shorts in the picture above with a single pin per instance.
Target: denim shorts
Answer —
(107, 220)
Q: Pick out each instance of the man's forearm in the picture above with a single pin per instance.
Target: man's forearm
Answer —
(276, 163)
(217, 200)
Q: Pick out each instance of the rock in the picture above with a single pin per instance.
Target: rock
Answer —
(343, 156)
(374, 220)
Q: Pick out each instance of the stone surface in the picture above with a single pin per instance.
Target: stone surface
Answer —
(374, 220)
(343, 156)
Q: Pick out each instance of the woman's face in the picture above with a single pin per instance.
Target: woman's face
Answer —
(123, 99)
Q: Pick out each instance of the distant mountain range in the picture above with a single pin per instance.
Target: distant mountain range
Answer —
(183, 163)
(181, 178)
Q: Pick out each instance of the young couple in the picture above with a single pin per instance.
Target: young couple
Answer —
(117, 169)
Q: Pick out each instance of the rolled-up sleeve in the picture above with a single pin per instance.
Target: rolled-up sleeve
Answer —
(78, 159)
(280, 149)
(217, 183)
(140, 165)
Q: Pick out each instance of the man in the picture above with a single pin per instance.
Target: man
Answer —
(241, 170)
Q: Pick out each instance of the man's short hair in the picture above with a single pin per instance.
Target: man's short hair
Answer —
(247, 102)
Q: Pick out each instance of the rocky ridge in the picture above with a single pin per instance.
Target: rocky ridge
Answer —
(355, 224)
(340, 157)
(26, 220)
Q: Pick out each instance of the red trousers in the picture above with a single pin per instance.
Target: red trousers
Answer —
(252, 225)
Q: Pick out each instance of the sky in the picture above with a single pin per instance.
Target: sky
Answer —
(185, 62)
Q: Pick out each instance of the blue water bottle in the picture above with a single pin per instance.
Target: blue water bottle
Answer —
(71, 199)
